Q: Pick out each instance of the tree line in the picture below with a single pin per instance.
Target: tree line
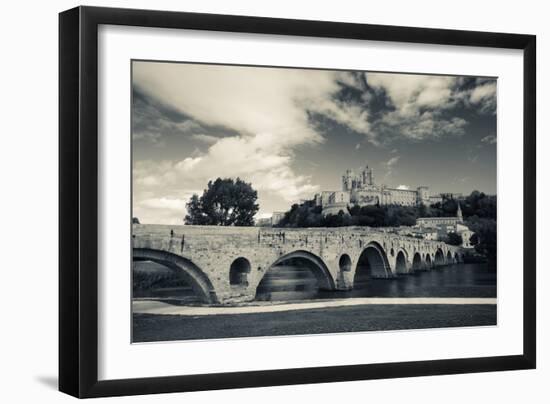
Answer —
(228, 202)
(307, 214)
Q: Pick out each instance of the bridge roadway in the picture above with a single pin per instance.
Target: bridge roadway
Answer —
(226, 264)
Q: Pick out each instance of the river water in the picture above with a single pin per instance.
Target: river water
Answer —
(297, 282)
(459, 280)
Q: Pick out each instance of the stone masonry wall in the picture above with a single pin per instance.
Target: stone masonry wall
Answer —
(213, 249)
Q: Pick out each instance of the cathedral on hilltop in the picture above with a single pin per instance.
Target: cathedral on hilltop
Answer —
(361, 190)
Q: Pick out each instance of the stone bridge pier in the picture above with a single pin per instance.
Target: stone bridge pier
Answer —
(227, 264)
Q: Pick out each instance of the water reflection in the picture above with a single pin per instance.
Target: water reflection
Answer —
(298, 279)
(459, 280)
(295, 279)
(152, 280)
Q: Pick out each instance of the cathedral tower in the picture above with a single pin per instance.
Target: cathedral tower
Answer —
(347, 180)
(367, 176)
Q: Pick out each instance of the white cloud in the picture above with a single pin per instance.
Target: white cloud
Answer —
(389, 166)
(208, 139)
(483, 92)
(404, 187)
(419, 103)
(392, 161)
(484, 96)
(421, 126)
(149, 124)
(268, 108)
(410, 92)
(162, 210)
(187, 164)
(251, 100)
(490, 139)
(264, 215)
(164, 203)
(248, 158)
(347, 114)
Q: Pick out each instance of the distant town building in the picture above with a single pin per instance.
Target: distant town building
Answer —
(451, 195)
(264, 222)
(433, 199)
(466, 235)
(426, 234)
(442, 226)
(441, 222)
(361, 190)
(273, 220)
(277, 217)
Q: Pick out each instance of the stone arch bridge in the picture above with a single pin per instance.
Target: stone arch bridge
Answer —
(226, 264)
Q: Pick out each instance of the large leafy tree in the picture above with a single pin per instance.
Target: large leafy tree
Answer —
(485, 230)
(453, 239)
(226, 202)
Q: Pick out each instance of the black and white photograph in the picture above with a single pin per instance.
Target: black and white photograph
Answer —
(279, 200)
(275, 202)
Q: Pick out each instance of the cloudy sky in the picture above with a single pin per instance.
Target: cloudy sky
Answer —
(293, 132)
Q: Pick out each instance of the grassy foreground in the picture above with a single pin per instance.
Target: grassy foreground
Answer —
(153, 327)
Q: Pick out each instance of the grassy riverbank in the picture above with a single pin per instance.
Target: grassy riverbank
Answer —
(154, 327)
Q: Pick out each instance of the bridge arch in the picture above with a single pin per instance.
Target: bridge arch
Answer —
(319, 268)
(457, 258)
(417, 262)
(428, 261)
(401, 266)
(372, 263)
(238, 272)
(439, 257)
(449, 257)
(344, 263)
(197, 279)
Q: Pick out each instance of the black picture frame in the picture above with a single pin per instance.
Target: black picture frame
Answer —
(78, 200)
